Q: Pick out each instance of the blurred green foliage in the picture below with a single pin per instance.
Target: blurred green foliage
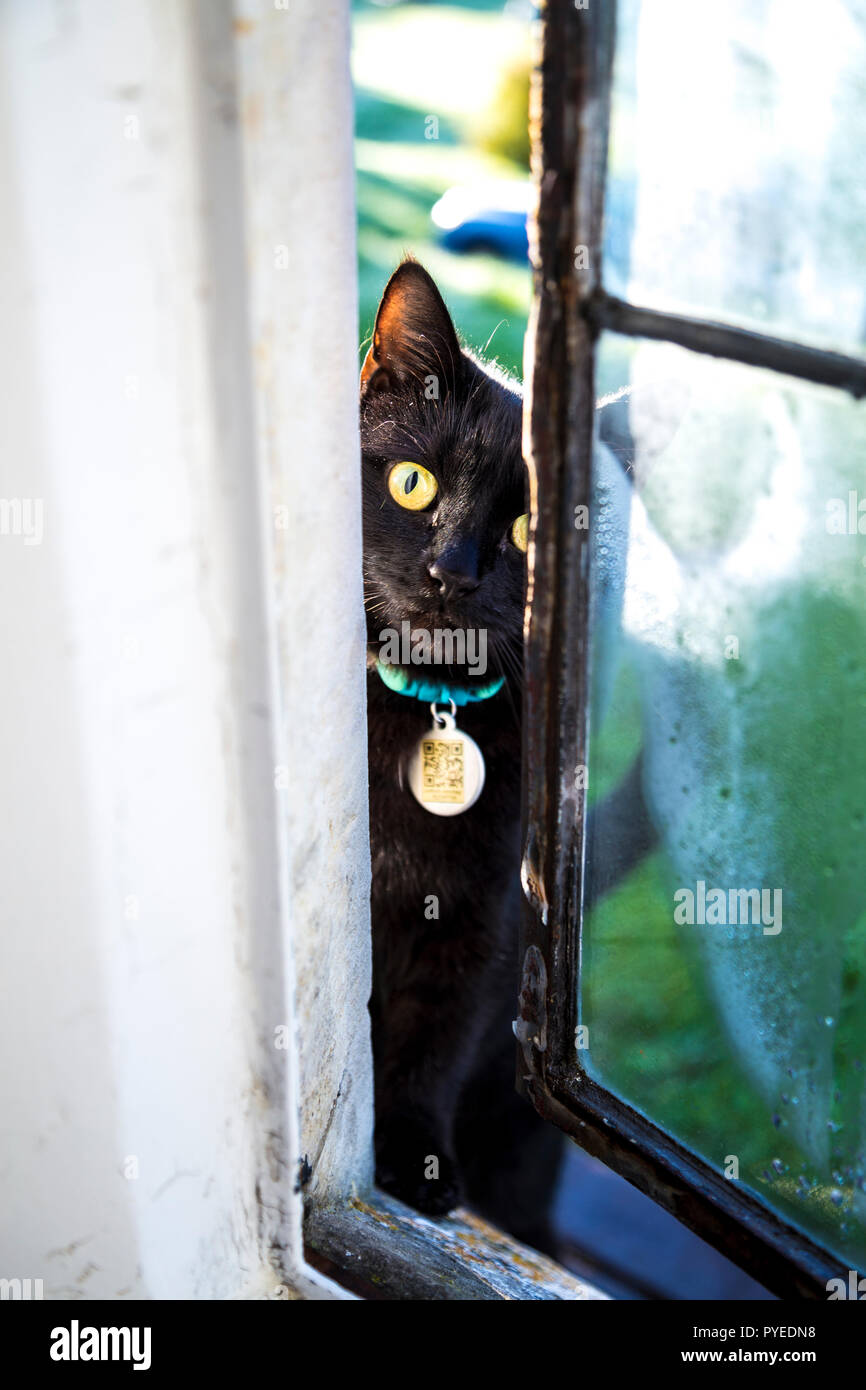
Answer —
(450, 62)
(505, 128)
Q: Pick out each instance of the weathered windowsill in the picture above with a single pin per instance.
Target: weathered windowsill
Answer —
(381, 1249)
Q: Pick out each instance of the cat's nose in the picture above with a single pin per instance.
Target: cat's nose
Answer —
(456, 570)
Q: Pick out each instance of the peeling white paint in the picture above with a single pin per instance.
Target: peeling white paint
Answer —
(165, 646)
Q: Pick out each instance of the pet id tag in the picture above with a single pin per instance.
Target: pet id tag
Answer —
(446, 771)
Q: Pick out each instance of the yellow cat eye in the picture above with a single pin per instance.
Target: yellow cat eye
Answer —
(412, 486)
(520, 532)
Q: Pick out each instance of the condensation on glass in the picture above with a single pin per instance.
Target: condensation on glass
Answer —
(723, 984)
(735, 178)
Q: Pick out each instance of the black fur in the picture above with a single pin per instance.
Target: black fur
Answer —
(445, 987)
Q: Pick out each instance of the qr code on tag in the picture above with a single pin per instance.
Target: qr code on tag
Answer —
(442, 770)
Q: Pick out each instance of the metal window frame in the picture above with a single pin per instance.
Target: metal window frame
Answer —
(570, 117)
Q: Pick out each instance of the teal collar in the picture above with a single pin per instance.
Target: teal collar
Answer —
(397, 678)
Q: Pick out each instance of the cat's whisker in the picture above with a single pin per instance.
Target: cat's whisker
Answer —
(493, 335)
(510, 667)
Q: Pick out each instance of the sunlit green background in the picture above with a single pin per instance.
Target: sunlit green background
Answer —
(467, 64)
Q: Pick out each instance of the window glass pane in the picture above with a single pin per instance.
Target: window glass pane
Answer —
(724, 980)
(736, 164)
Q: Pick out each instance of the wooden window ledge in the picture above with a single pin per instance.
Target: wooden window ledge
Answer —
(380, 1249)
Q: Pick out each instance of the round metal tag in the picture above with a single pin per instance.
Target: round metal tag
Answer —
(446, 771)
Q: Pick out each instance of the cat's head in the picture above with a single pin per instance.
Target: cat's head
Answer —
(443, 478)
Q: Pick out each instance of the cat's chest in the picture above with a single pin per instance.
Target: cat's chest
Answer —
(414, 850)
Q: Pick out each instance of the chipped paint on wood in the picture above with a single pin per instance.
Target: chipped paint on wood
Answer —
(287, 58)
(152, 1141)
(413, 1257)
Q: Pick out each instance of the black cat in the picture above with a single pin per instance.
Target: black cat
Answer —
(449, 1125)
(444, 501)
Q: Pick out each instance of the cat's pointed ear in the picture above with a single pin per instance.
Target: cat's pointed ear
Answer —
(414, 339)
